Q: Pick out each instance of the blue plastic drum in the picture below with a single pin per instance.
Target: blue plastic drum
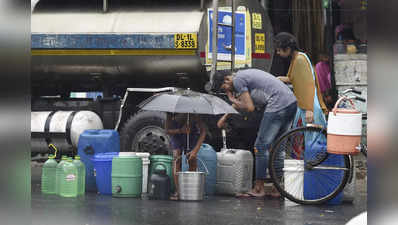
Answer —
(92, 142)
(103, 171)
(318, 183)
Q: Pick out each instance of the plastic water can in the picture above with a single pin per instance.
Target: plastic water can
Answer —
(59, 174)
(126, 176)
(92, 142)
(344, 130)
(234, 171)
(160, 181)
(68, 184)
(319, 183)
(81, 174)
(48, 176)
(164, 161)
(145, 166)
(293, 174)
(103, 171)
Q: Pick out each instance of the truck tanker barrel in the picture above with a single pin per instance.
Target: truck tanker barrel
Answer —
(61, 128)
(153, 43)
(77, 47)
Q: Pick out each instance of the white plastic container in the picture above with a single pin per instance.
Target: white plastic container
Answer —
(293, 173)
(145, 165)
(350, 187)
(234, 171)
(344, 130)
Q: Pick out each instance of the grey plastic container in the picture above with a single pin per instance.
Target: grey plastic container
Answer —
(234, 171)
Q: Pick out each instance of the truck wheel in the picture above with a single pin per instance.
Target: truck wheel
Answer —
(142, 127)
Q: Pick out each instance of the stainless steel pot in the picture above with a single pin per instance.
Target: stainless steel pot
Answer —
(191, 184)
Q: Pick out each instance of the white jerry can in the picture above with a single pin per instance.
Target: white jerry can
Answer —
(234, 171)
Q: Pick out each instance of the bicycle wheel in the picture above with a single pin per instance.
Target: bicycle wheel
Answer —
(303, 171)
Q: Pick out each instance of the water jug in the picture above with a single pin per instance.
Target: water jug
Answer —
(344, 130)
(293, 175)
(126, 176)
(103, 171)
(164, 161)
(96, 141)
(234, 171)
(207, 154)
(318, 183)
(59, 173)
(145, 167)
(48, 176)
(68, 184)
(160, 185)
(81, 174)
(209, 158)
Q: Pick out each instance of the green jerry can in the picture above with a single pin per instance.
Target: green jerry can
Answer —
(127, 176)
(48, 176)
(58, 173)
(81, 175)
(68, 184)
(165, 161)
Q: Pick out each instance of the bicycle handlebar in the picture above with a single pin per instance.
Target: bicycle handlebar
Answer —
(356, 91)
(353, 89)
(360, 99)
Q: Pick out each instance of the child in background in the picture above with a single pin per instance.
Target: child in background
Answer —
(322, 70)
(177, 127)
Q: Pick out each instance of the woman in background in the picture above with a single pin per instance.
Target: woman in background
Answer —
(302, 76)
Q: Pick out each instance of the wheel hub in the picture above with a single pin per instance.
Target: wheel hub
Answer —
(151, 139)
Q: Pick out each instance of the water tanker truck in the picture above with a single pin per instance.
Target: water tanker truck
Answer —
(129, 50)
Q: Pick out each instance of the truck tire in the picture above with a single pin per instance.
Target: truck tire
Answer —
(139, 127)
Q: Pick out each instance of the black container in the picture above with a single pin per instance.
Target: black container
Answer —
(160, 185)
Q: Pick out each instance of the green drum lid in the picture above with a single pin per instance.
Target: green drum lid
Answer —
(164, 158)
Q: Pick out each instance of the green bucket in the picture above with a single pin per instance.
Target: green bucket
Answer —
(127, 176)
(165, 162)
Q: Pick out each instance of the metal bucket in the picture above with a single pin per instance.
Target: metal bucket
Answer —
(191, 184)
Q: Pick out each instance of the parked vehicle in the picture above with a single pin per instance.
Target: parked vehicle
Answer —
(129, 50)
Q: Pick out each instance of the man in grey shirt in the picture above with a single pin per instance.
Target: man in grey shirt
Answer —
(255, 88)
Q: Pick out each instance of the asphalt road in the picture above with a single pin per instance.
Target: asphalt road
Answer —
(93, 209)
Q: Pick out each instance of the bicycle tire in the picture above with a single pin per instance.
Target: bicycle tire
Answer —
(288, 146)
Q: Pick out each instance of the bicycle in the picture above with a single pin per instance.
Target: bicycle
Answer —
(309, 164)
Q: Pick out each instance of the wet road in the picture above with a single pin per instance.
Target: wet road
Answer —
(94, 209)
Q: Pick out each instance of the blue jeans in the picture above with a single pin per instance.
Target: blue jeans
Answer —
(272, 126)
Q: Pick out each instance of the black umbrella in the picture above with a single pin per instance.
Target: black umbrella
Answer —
(187, 101)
